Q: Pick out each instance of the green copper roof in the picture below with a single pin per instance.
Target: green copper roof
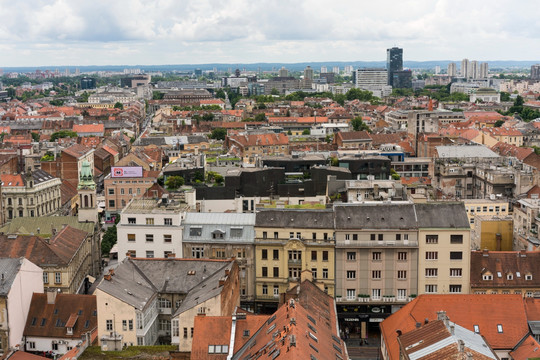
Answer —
(86, 179)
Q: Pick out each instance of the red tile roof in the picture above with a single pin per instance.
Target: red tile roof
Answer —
(505, 263)
(464, 310)
(529, 349)
(505, 149)
(88, 128)
(261, 140)
(21, 355)
(9, 180)
(77, 150)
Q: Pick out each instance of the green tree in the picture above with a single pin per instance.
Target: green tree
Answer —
(56, 102)
(261, 117)
(108, 240)
(334, 161)
(499, 123)
(394, 174)
(219, 179)
(208, 117)
(355, 93)
(218, 134)
(359, 125)
(274, 91)
(119, 105)
(174, 182)
(198, 177)
(157, 95)
(220, 94)
(289, 132)
(505, 96)
(306, 132)
(62, 134)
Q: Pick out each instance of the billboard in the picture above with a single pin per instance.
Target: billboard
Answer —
(126, 171)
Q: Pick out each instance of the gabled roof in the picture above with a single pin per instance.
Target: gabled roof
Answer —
(466, 311)
(88, 128)
(77, 150)
(502, 264)
(9, 268)
(75, 311)
(261, 139)
(354, 136)
(528, 349)
(505, 149)
(44, 225)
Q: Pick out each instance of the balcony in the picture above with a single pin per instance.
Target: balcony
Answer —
(268, 297)
(295, 262)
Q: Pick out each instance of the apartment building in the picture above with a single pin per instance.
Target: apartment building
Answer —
(288, 242)
(224, 236)
(444, 246)
(252, 146)
(151, 228)
(526, 224)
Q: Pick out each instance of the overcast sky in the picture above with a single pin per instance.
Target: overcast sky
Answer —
(147, 32)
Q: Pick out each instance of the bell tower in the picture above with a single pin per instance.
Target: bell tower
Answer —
(87, 195)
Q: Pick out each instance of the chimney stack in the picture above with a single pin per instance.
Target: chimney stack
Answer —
(399, 333)
(51, 296)
(461, 345)
(498, 238)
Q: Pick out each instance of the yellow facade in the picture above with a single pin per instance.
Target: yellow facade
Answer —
(444, 261)
(282, 254)
(487, 229)
(112, 309)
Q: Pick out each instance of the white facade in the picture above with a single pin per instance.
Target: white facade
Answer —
(39, 344)
(367, 78)
(150, 231)
(28, 280)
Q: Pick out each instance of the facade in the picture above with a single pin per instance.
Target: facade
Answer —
(526, 224)
(68, 165)
(535, 72)
(57, 322)
(252, 146)
(452, 69)
(151, 228)
(33, 194)
(505, 272)
(20, 278)
(444, 247)
(374, 80)
(224, 236)
(288, 242)
(139, 298)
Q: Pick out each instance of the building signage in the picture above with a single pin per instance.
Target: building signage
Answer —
(127, 171)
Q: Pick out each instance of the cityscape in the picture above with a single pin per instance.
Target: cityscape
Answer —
(265, 190)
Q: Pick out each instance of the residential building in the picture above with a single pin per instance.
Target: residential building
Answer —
(152, 228)
(89, 129)
(288, 242)
(443, 339)
(36, 193)
(19, 279)
(526, 224)
(535, 72)
(505, 272)
(452, 69)
(376, 261)
(444, 248)
(224, 236)
(464, 70)
(57, 322)
(357, 191)
(353, 140)
(251, 146)
(140, 301)
(68, 165)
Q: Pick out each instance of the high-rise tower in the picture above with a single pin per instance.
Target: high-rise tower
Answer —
(394, 62)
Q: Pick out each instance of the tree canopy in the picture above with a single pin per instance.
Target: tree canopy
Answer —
(218, 134)
(63, 134)
(174, 182)
(359, 125)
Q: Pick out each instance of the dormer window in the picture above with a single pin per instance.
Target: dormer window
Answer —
(509, 277)
(528, 277)
(487, 277)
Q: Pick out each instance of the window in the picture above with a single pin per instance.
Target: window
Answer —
(276, 290)
(264, 271)
(264, 254)
(456, 255)
(455, 288)
(314, 236)
(376, 274)
(509, 277)
(167, 238)
(347, 236)
(55, 346)
(195, 231)
(431, 289)
(264, 235)
(351, 255)
(237, 232)
(313, 255)
(372, 237)
(185, 333)
(402, 255)
(487, 277)
(325, 256)
(476, 329)
(276, 271)
(164, 303)
(355, 237)
(376, 255)
(499, 328)
(265, 289)
(456, 272)
(130, 325)
(398, 237)
(432, 255)
(456, 239)
(325, 273)
(167, 221)
(432, 239)
(295, 255)
(402, 274)
(31, 344)
(131, 237)
(381, 237)
(197, 252)
(175, 328)
(351, 274)
(111, 191)
(149, 237)
(111, 203)
(45, 277)
(528, 277)
(351, 294)
(291, 235)
(124, 325)
(275, 254)
(275, 234)
(402, 294)
(149, 221)
(217, 235)
(529, 294)
(376, 294)
(132, 220)
(109, 325)
(57, 278)
(149, 254)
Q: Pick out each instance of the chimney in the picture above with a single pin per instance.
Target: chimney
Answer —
(441, 315)
(53, 231)
(461, 346)
(398, 331)
(485, 252)
(221, 282)
(226, 272)
(498, 238)
(470, 356)
(523, 253)
(107, 277)
(426, 320)
(452, 328)
(51, 296)
(111, 272)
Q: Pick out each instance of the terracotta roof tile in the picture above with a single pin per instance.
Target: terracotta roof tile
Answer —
(77, 150)
(501, 264)
(529, 349)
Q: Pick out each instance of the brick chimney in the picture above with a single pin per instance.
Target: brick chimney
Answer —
(51, 296)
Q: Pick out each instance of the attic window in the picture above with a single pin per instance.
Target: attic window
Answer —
(509, 277)
(246, 333)
(528, 277)
(34, 320)
(518, 274)
(86, 323)
(43, 322)
(499, 274)
(487, 277)
(499, 328)
(191, 272)
(476, 329)
(80, 312)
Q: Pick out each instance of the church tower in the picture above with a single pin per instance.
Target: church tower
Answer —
(87, 195)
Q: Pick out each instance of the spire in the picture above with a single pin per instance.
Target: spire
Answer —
(86, 178)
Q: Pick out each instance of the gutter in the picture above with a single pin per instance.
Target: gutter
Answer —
(233, 335)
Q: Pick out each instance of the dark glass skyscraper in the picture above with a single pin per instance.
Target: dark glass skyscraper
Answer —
(394, 62)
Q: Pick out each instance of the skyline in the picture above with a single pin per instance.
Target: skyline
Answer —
(44, 33)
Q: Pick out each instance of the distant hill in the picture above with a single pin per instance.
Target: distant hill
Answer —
(505, 64)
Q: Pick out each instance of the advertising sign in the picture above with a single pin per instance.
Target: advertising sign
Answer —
(127, 171)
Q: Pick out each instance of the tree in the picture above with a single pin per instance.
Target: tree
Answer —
(208, 117)
(289, 132)
(218, 134)
(274, 91)
(261, 117)
(394, 174)
(306, 132)
(198, 177)
(62, 134)
(505, 96)
(157, 95)
(56, 102)
(355, 93)
(220, 94)
(499, 123)
(174, 182)
(219, 179)
(119, 105)
(108, 241)
(359, 125)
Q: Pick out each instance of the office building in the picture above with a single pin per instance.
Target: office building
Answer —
(394, 62)
(324, 69)
(402, 79)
